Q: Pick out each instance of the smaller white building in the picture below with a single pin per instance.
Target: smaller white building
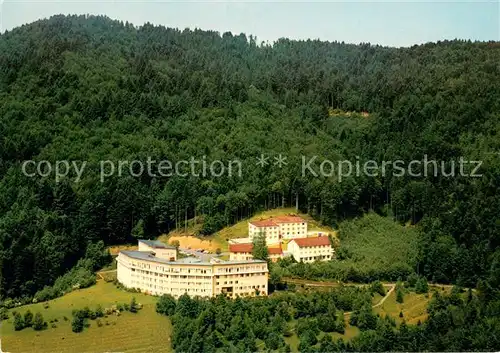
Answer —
(311, 249)
(158, 249)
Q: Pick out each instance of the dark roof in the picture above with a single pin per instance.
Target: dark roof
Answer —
(156, 244)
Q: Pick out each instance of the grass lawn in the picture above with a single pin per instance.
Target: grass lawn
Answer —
(414, 306)
(145, 331)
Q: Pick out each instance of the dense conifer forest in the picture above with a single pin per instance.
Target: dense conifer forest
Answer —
(85, 88)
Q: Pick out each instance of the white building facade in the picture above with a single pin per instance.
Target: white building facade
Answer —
(311, 249)
(145, 271)
(277, 228)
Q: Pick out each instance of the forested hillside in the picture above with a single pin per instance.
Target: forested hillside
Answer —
(83, 88)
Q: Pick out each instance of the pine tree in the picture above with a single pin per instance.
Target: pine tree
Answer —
(399, 295)
(39, 323)
(133, 305)
(259, 250)
(28, 318)
(18, 321)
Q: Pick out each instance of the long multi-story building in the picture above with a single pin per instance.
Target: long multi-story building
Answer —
(311, 249)
(150, 272)
(277, 228)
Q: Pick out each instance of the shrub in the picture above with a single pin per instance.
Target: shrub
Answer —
(377, 287)
(18, 321)
(133, 305)
(421, 286)
(77, 323)
(4, 314)
(399, 295)
(166, 305)
(28, 318)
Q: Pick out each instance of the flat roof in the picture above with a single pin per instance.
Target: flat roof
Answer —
(156, 244)
(148, 256)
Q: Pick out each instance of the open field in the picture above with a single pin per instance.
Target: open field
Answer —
(145, 331)
(238, 230)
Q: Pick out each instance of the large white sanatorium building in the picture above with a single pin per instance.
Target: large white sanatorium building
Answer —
(277, 228)
(155, 269)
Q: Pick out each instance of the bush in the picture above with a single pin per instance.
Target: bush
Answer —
(327, 323)
(133, 305)
(28, 318)
(4, 314)
(86, 312)
(364, 318)
(274, 341)
(18, 321)
(39, 323)
(377, 287)
(399, 295)
(99, 312)
(77, 324)
(340, 324)
(166, 305)
(421, 286)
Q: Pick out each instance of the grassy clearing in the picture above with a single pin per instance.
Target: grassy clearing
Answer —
(376, 244)
(414, 308)
(350, 333)
(145, 331)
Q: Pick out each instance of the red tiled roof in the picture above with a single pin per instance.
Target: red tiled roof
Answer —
(315, 241)
(240, 247)
(247, 248)
(264, 223)
(289, 219)
(275, 251)
(274, 221)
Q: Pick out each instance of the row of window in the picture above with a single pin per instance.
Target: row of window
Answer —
(241, 275)
(313, 258)
(243, 269)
